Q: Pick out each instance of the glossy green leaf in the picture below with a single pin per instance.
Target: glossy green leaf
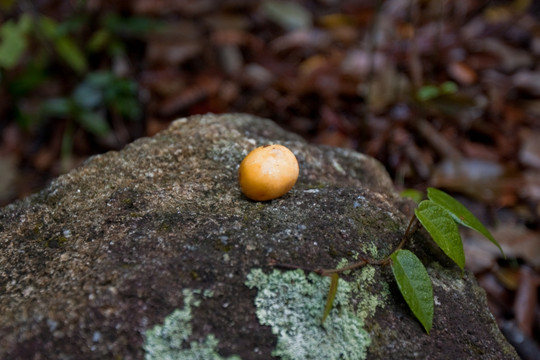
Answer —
(334, 280)
(443, 229)
(460, 213)
(415, 286)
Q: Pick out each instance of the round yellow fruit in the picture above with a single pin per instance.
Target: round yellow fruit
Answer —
(268, 172)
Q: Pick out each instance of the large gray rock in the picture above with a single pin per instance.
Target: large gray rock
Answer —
(154, 252)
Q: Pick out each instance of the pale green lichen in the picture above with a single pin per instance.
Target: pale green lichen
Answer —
(342, 263)
(169, 341)
(292, 304)
(364, 289)
(372, 250)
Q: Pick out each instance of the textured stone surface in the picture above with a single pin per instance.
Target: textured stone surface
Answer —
(153, 251)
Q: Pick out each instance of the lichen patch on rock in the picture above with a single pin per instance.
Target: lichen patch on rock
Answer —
(292, 304)
(172, 338)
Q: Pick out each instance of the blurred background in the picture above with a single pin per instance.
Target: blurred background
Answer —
(443, 93)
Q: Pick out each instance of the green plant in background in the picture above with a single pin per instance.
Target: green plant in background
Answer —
(113, 30)
(439, 214)
(14, 40)
(99, 91)
(444, 98)
(430, 92)
(80, 51)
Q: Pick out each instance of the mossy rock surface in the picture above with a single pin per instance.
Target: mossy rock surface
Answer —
(153, 252)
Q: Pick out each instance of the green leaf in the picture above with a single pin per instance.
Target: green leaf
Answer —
(427, 92)
(98, 40)
(88, 96)
(448, 87)
(443, 229)
(94, 123)
(70, 52)
(415, 286)
(461, 214)
(413, 194)
(74, 24)
(48, 27)
(128, 108)
(26, 23)
(65, 46)
(334, 280)
(61, 107)
(13, 43)
(100, 79)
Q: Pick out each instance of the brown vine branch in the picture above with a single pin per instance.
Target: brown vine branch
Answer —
(411, 229)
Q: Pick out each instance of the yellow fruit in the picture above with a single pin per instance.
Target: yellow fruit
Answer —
(268, 172)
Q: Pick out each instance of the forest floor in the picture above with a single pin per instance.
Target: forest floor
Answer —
(443, 93)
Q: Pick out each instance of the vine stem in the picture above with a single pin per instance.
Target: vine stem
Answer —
(411, 229)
